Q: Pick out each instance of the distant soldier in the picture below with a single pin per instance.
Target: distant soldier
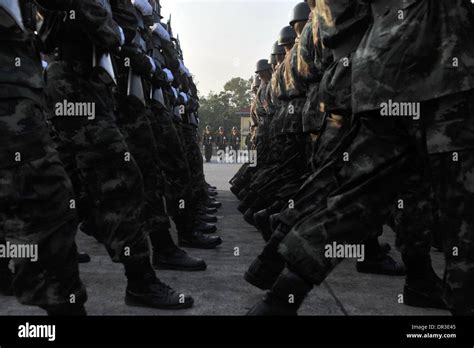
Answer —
(235, 139)
(207, 140)
(221, 139)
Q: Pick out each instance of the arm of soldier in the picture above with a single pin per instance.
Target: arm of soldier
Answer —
(124, 14)
(171, 57)
(98, 24)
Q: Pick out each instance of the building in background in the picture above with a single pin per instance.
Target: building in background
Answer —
(245, 123)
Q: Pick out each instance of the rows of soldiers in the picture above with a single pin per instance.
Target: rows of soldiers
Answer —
(103, 133)
(221, 140)
(365, 116)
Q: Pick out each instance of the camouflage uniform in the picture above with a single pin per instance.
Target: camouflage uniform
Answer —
(35, 191)
(135, 123)
(393, 152)
(441, 77)
(96, 149)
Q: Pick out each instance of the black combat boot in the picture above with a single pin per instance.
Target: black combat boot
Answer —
(235, 190)
(197, 240)
(204, 227)
(207, 218)
(207, 210)
(423, 288)
(144, 289)
(262, 219)
(67, 310)
(378, 262)
(188, 237)
(285, 297)
(83, 258)
(263, 273)
(248, 217)
(242, 207)
(212, 203)
(265, 270)
(177, 259)
(262, 223)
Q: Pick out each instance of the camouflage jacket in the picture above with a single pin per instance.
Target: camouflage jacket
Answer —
(417, 51)
(342, 24)
(20, 63)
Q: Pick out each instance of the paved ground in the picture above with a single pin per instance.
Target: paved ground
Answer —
(221, 290)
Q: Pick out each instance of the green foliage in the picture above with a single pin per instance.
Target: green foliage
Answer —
(219, 109)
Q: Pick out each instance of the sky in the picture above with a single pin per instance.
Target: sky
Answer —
(222, 39)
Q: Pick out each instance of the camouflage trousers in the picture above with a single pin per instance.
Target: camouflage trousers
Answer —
(454, 193)
(291, 167)
(96, 152)
(196, 165)
(135, 125)
(35, 208)
(171, 160)
(374, 175)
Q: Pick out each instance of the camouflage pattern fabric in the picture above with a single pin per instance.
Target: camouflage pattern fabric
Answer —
(35, 207)
(97, 150)
(427, 54)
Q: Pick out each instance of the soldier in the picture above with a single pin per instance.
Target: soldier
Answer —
(134, 118)
(394, 153)
(35, 191)
(234, 141)
(248, 138)
(221, 140)
(96, 148)
(168, 125)
(207, 141)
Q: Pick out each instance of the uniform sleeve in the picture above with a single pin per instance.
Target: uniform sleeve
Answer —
(98, 24)
(125, 15)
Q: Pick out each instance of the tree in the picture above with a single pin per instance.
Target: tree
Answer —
(219, 109)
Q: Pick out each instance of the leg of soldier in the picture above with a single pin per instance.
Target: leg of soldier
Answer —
(186, 212)
(35, 204)
(6, 276)
(349, 212)
(112, 180)
(459, 236)
(171, 157)
(136, 128)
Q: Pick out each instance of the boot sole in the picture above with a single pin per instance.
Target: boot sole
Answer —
(209, 221)
(180, 268)
(415, 299)
(251, 279)
(203, 247)
(207, 231)
(138, 303)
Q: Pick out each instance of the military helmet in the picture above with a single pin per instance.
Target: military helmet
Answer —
(262, 65)
(272, 60)
(277, 49)
(300, 13)
(287, 36)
